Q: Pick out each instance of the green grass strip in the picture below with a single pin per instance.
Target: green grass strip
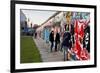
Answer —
(29, 51)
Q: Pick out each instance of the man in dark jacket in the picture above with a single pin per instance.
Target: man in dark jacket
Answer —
(51, 39)
(66, 44)
(67, 40)
(57, 40)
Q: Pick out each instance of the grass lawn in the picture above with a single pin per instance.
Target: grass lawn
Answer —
(29, 52)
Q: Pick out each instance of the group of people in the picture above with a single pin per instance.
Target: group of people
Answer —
(66, 42)
(55, 40)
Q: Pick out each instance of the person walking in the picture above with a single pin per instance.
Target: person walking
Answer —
(57, 41)
(66, 44)
(51, 39)
(35, 34)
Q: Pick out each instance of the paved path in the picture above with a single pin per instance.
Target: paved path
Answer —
(46, 55)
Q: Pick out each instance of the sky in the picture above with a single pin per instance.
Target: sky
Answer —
(37, 16)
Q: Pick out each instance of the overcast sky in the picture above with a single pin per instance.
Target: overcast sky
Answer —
(37, 16)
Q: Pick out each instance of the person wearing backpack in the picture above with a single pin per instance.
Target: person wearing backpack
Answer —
(66, 44)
